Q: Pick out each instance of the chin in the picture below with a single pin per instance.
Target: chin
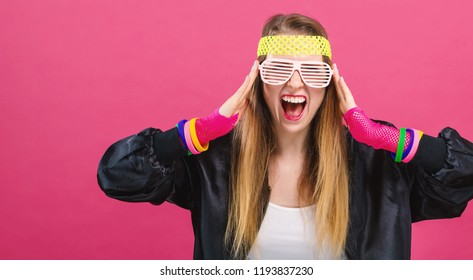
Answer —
(294, 126)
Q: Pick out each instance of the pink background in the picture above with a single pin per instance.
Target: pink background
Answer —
(76, 76)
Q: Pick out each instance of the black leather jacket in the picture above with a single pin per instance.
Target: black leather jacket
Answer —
(385, 197)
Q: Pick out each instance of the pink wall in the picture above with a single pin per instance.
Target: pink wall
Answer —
(75, 76)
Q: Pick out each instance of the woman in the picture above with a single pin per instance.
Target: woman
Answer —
(273, 173)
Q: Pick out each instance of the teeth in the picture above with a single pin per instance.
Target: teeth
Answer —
(294, 99)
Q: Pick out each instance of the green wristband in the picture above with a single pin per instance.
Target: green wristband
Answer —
(400, 145)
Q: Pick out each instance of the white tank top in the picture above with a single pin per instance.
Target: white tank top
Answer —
(288, 234)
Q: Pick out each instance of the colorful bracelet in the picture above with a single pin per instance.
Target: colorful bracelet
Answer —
(180, 129)
(189, 140)
(415, 146)
(194, 138)
(411, 142)
(400, 145)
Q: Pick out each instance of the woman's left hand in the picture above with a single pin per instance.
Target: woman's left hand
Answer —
(347, 101)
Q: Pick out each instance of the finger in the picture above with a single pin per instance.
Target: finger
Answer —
(252, 77)
(254, 70)
(243, 86)
(243, 95)
(348, 96)
(336, 78)
(344, 87)
(336, 74)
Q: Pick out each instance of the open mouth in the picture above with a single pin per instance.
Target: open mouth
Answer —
(293, 106)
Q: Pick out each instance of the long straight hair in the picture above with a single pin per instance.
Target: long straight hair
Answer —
(324, 177)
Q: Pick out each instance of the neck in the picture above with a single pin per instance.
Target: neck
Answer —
(290, 145)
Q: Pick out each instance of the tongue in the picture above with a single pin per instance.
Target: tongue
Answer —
(293, 109)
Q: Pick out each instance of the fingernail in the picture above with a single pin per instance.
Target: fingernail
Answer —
(335, 67)
(254, 65)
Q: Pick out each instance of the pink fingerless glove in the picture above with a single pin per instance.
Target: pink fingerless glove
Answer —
(376, 135)
(214, 126)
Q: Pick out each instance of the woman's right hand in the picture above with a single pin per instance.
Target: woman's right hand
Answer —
(225, 118)
(238, 102)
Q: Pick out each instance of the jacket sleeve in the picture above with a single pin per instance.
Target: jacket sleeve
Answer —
(150, 166)
(442, 192)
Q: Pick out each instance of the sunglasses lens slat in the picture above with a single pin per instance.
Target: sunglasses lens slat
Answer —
(285, 72)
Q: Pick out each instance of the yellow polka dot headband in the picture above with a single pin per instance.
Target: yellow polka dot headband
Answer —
(294, 45)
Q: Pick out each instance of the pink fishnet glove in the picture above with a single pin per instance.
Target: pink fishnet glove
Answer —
(214, 126)
(376, 135)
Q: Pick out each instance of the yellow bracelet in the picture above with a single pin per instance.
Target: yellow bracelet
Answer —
(194, 138)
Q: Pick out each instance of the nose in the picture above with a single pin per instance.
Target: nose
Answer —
(296, 80)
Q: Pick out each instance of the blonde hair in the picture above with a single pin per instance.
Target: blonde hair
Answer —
(324, 178)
